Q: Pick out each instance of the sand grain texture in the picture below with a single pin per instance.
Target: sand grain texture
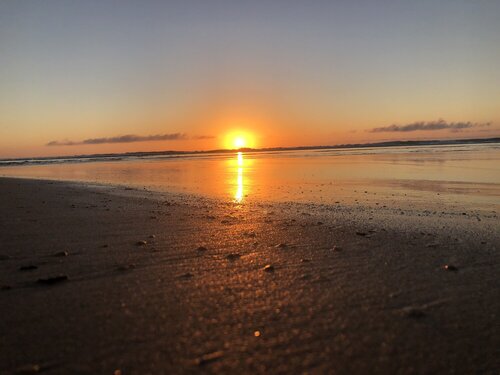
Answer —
(384, 304)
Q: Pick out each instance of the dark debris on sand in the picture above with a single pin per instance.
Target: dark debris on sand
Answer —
(53, 280)
(29, 267)
(233, 256)
(209, 357)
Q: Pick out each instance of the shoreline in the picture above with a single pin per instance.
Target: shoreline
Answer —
(351, 289)
(179, 153)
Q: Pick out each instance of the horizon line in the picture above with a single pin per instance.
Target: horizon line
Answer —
(427, 142)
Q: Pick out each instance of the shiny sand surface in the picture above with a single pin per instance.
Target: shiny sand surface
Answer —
(450, 175)
(170, 283)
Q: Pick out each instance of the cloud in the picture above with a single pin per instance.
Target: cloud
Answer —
(128, 138)
(204, 137)
(430, 125)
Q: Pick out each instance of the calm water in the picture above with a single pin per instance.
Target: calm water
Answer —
(455, 174)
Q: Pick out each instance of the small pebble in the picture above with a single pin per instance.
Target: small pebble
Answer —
(141, 243)
(269, 268)
(29, 369)
(61, 254)
(210, 357)
(126, 267)
(413, 312)
(361, 233)
(29, 267)
(52, 280)
(186, 275)
(233, 256)
(281, 246)
(201, 248)
(449, 267)
(337, 248)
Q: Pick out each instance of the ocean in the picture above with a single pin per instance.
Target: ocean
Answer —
(449, 174)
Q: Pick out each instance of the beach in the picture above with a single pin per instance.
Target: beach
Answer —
(107, 279)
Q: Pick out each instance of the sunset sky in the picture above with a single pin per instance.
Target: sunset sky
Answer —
(79, 77)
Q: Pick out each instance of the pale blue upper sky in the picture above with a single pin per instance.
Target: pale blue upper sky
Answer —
(295, 71)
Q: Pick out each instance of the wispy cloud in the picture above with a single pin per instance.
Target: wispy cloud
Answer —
(128, 138)
(204, 137)
(429, 125)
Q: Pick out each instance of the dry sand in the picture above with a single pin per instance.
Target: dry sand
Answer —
(161, 284)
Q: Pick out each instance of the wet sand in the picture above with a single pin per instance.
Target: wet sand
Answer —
(96, 279)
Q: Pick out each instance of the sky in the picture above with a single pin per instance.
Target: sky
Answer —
(82, 77)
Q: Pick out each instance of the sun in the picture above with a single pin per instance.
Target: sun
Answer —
(239, 142)
(240, 139)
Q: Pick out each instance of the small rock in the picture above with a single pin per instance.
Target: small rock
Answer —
(53, 280)
(61, 254)
(29, 369)
(449, 267)
(152, 236)
(413, 312)
(201, 248)
(141, 243)
(336, 248)
(233, 256)
(126, 267)
(210, 357)
(269, 268)
(29, 267)
(305, 260)
(186, 275)
(361, 233)
(281, 246)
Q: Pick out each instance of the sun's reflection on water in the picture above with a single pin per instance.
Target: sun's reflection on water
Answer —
(238, 196)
